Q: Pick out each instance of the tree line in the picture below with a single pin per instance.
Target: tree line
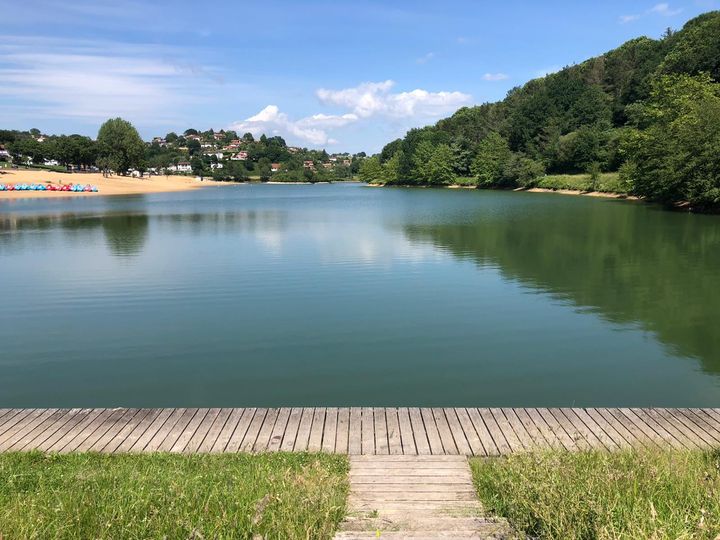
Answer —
(119, 149)
(649, 109)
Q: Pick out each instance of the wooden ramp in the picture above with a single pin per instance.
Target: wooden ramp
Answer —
(357, 431)
(416, 497)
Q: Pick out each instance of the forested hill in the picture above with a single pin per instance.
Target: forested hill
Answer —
(650, 109)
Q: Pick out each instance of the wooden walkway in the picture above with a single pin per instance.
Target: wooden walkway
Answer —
(357, 431)
(418, 497)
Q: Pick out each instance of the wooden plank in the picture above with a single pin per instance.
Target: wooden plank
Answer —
(420, 438)
(637, 426)
(187, 434)
(678, 427)
(343, 431)
(42, 431)
(393, 431)
(76, 429)
(74, 417)
(625, 428)
(355, 432)
(697, 421)
(431, 431)
(110, 425)
(316, 430)
(594, 434)
(278, 431)
(172, 436)
(471, 436)
(572, 428)
(446, 438)
(131, 438)
(253, 430)
(510, 436)
(201, 432)
(88, 431)
(407, 441)
(214, 432)
(109, 444)
(238, 435)
(521, 432)
(330, 431)
(155, 426)
(537, 438)
(558, 429)
(489, 446)
(15, 420)
(303, 434)
(495, 432)
(263, 438)
(458, 434)
(16, 433)
(158, 435)
(612, 439)
(291, 430)
(665, 436)
(381, 431)
(368, 430)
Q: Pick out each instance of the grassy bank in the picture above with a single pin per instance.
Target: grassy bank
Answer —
(607, 183)
(171, 496)
(605, 496)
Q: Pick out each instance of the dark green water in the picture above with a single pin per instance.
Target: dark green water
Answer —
(349, 295)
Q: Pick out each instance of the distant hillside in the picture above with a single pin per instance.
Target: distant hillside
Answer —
(650, 108)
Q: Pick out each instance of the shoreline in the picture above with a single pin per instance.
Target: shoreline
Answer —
(107, 186)
(602, 194)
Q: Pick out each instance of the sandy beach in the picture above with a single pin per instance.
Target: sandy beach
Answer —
(113, 185)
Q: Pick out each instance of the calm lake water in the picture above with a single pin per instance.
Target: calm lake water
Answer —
(271, 295)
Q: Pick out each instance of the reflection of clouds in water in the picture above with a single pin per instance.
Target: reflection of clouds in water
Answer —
(272, 240)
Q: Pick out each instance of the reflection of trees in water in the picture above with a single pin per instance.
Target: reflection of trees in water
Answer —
(632, 264)
(125, 234)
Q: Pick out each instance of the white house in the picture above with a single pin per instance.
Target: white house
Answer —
(240, 156)
(182, 166)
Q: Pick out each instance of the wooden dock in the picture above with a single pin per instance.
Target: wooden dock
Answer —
(357, 431)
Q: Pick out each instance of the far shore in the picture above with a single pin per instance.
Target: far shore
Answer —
(530, 190)
(111, 185)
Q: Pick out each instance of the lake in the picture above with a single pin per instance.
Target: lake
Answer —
(343, 294)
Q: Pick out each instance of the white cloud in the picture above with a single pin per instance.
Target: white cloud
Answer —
(363, 101)
(374, 98)
(311, 129)
(96, 80)
(663, 9)
(425, 58)
(495, 76)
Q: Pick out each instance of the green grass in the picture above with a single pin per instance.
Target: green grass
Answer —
(171, 496)
(653, 495)
(609, 182)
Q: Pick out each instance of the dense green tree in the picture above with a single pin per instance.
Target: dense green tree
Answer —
(391, 169)
(440, 166)
(119, 145)
(371, 171)
(676, 143)
(492, 156)
(522, 171)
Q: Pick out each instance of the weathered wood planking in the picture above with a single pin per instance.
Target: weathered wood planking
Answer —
(357, 431)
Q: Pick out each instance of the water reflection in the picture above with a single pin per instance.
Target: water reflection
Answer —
(126, 234)
(631, 264)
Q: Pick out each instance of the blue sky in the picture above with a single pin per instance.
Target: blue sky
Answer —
(347, 76)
